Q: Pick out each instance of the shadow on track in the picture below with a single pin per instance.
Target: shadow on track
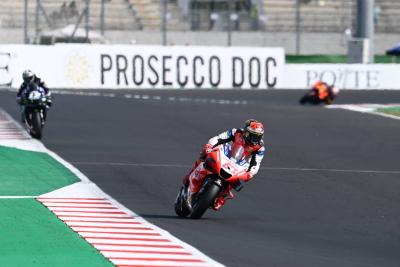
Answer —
(157, 216)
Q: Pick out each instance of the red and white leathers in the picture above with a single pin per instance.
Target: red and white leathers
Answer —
(252, 156)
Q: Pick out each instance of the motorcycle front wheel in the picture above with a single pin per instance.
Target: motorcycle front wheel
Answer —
(205, 199)
(36, 125)
(306, 98)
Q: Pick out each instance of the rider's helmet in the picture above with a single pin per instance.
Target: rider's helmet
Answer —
(318, 83)
(335, 90)
(28, 76)
(253, 131)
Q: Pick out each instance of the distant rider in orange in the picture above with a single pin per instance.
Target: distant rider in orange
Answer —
(324, 92)
(321, 92)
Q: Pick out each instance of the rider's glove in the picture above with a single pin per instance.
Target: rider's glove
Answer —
(48, 99)
(206, 149)
(21, 101)
(246, 176)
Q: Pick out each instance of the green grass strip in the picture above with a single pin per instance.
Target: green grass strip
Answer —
(26, 173)
(33, 236)
(392, 111)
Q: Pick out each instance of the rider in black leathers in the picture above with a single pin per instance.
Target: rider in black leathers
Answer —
(30, 83)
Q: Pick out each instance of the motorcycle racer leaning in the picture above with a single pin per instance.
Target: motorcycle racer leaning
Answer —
(324, 92)
(250, 138)
(30, 83)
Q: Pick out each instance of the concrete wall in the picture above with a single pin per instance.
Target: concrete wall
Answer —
(311, 43)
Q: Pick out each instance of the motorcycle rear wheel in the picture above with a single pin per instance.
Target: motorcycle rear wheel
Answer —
(304, 99)
(205, 199)
(180, 206)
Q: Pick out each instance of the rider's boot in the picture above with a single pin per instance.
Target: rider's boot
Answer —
(22, 109)
(44, 116)
(221, 199)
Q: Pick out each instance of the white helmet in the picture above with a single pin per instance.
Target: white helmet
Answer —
(335, 90)
(28, 76)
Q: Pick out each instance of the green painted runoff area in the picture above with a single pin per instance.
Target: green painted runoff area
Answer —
(392, 111)
(32, 236)
(27, 173)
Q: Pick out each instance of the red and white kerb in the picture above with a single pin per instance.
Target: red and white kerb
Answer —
(10, 130)
(124, 239)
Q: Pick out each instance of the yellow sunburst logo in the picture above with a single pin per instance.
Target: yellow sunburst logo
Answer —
(78, 68)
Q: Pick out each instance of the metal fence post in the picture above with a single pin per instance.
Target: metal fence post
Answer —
(297, 27)
(102, 15)
(229, 24)
(87, 20)
(26, 22)
(37, 18)
(164, 22)
(365, 26)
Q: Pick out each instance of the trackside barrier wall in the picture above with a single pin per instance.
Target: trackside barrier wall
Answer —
(345, 76)
(80, 66)
(141, 67)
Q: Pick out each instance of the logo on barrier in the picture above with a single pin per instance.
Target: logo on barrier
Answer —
(346, 77)
(78, 69)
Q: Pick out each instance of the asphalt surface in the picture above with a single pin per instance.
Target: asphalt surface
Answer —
(327, 193)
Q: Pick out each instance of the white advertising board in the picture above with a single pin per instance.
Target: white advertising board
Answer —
(141, 67)
(345, 76)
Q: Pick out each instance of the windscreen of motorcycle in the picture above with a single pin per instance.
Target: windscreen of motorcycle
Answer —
(237, 152)
(34, 95)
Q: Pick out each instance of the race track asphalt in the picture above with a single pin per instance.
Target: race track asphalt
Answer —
(327, 193)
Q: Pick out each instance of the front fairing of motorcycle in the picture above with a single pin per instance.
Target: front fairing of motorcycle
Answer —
(35, 103)
(226, 161)
(221, 163)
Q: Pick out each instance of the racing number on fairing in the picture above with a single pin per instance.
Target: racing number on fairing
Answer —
(228, 166)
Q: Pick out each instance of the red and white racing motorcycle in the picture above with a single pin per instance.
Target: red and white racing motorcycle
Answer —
(225, 166)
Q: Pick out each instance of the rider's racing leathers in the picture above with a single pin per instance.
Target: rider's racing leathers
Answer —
(26, 88)
(252, 155)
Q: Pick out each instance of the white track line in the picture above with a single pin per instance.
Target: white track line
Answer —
(98, 219)
(131, 164)
(164, 165)
(106, 225)
(115, 230)
(331, 170)
(80, 205)
(367, 108)
(114, 248)
(140, 242)
(62, 213)
(113, 254)
(138, 262)
(105, 210)
(122, 236)
(157, 98)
